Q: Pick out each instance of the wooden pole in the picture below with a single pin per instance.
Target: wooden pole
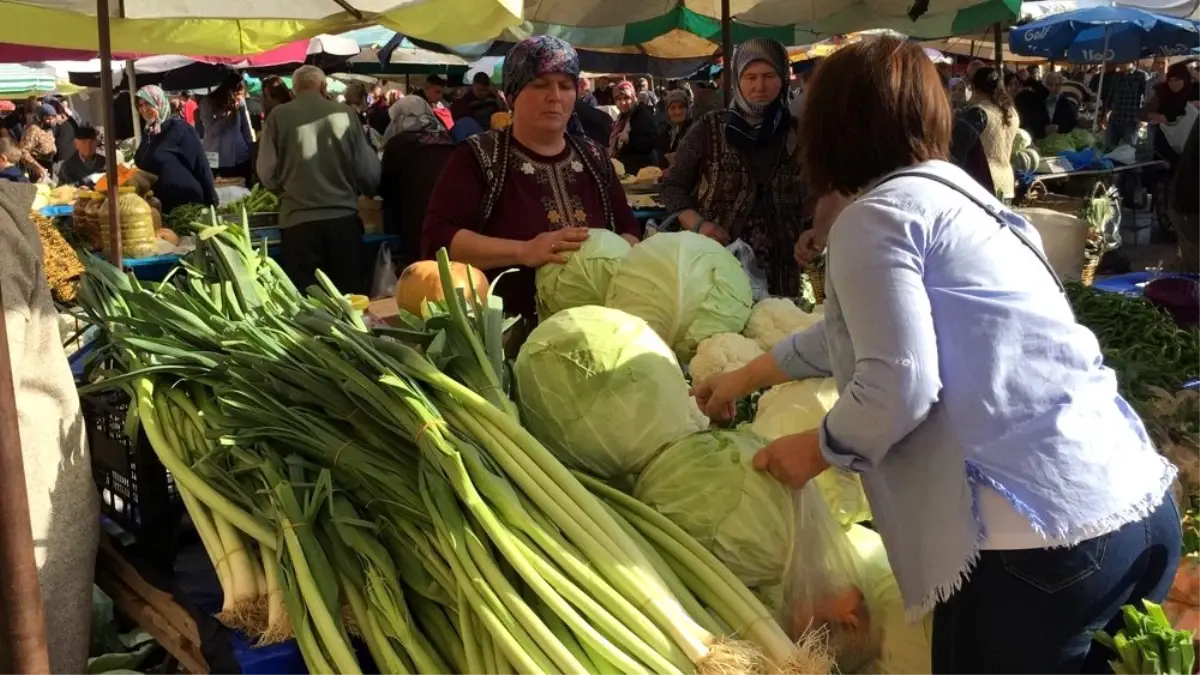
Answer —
(22, 619)
(110, 141)
(726, 51)
(131, 85)
(998, 44)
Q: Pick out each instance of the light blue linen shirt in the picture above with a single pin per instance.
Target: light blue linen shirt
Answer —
(961, 365)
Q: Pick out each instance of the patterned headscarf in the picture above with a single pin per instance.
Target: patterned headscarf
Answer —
(534, 57)
(753, 124)
(157, 99)
(759, 49)
(625, 87)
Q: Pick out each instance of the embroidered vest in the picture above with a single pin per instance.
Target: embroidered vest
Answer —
(492, 151)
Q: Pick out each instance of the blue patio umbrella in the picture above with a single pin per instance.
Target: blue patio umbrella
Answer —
(1105, 34)
(1099, 35)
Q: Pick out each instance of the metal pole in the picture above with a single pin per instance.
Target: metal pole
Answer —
(998, 45)
(110, 142)
(1100, 85)
(131, 84)
(726, 51)
(22, 620)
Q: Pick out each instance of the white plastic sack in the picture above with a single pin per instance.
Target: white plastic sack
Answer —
(825, 588)
(1177, 132)
(905, 646)
(383, 280)
(758, 278)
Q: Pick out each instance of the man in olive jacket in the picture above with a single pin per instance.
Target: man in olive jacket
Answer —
(63, 505)
(314, 152)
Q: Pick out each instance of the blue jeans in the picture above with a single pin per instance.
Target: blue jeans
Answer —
(1035, 610)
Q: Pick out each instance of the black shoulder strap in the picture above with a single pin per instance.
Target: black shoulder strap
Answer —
(990, 209)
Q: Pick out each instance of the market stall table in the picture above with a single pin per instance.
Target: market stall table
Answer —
(1029, 179)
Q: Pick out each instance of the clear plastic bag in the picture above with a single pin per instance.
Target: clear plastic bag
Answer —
(383, 281)
(758, 279)
(825, 587)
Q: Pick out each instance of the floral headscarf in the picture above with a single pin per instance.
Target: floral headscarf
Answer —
(158, 100)
(534, 57)
(625, 87)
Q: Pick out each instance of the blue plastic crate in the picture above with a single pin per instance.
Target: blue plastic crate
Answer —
(1133, 283)
(57, 210)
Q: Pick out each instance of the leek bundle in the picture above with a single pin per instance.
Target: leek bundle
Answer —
(378, 485)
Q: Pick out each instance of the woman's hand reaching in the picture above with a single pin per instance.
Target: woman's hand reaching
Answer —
(812, 241)
(810, 245)
(717, 396)
(548, 247)
(793, 460)
(714, 232)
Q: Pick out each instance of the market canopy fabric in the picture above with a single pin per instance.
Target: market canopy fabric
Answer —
(692, 28)
(236, 27)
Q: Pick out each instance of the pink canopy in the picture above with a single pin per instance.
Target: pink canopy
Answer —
(293, 52)
(10, 53)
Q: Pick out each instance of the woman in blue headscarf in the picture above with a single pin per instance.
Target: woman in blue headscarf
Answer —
(172, 151)
(735, 174)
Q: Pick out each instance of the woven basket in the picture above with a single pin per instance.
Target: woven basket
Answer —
(816, 277)
(1039, 196)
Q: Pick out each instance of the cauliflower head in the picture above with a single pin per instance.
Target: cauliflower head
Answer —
(773, 319)
(722, 353)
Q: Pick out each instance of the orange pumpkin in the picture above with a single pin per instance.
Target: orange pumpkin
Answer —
(421, 281)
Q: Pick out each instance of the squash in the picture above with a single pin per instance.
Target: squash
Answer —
(649, 174)
(168, 235)
(124, 175)
(421, 281)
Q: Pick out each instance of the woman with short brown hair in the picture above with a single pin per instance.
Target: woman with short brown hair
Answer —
(1018, 495)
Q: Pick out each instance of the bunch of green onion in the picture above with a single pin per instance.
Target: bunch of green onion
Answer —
(378, 485)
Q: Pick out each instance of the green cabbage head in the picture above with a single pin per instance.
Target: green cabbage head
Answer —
(583, 279)
(706, 485)
(686, 286)
(602, 391)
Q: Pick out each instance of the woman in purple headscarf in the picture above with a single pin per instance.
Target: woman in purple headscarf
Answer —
(523, 196)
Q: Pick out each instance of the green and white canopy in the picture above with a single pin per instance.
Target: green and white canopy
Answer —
(17, 81)
(692, 28)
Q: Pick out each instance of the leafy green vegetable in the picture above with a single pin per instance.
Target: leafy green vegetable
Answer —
(706, 485)
(1054, 144)
(584, 278)
(1082, 138)
(602, 391)
(686, 286)
(1148, 644)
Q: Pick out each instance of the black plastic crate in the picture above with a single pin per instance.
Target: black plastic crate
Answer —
(136, 492)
